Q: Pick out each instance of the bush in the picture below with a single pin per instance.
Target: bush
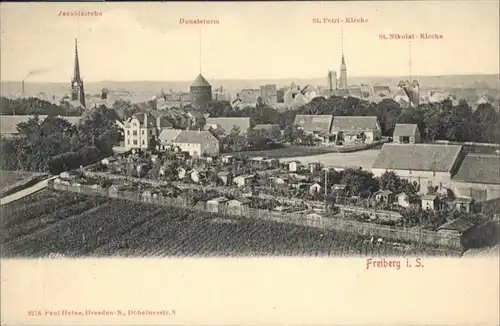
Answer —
(64, 162)
(88, 155)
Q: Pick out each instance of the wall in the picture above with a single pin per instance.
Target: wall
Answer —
(366, 229)
(421, 177)
(465, 189)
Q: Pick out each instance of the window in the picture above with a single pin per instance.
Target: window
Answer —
(143, 142)
(128, 132)
(142, 132)
(135, 132)
(128, 142)
(150, 132)
(135, 141)
(433, 173)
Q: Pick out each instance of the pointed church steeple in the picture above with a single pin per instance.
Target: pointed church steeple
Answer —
(77, 89)
(343, 67)
(76, 73)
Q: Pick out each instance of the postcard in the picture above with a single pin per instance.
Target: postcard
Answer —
(250, 163)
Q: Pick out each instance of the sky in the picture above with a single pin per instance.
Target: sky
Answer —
(146, 42)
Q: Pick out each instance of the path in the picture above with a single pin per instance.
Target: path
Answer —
(25, 192)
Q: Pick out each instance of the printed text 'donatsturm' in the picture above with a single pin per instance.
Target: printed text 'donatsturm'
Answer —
(394, 263)
(88, 312)
(340, 20)
(410, 36)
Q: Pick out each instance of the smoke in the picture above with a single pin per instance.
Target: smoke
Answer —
(35, 72)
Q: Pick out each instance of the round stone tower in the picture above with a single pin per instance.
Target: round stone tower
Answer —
(200, 92)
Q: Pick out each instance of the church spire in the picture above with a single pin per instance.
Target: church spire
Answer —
(76, 72)
(343, 67)
(77, 88)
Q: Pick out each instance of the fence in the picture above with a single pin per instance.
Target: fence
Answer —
(361, 228)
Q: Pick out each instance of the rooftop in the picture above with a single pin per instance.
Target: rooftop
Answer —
(355, 123)
(417, 157)
(479, 168)
(405, 129)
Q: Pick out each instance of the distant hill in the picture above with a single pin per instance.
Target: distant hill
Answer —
(479, 83)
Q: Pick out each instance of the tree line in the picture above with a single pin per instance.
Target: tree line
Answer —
(55, 145)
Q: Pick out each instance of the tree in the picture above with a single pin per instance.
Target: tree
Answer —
(360, 183)
(390, 181)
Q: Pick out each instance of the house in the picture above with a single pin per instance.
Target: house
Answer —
(318, 124)
(217, 204)
(316, 188)
(197, 142)
(238, 206)
(463, 204)
(456, 227)
(278, 180)
(426, 164)
(478, 177)
(226, 178)
(227, 159)
(314, 166)
(405, 133)
(386, 196)
(355, 129)
(294, 166)
(271, 131)
(226, 124)
(403, 200)
(70, 175)
(142, 130)
(430, 202)
(243, 180)
(340, 190)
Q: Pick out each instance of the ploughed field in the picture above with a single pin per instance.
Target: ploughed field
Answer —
(10, 178)
(63, 224)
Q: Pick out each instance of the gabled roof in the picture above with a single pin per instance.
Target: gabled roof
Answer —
(146, 120)
(417, 157)
(320, 123)
(405, 129)
(200, 81)
(356, 92)
(355, 123)
(479, 168)
(194, 137)
(169, 135)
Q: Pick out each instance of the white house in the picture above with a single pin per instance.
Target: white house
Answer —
(194, 142)
(243, 180)
(403, 200)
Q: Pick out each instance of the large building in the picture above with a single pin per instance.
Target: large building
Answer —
(195, 142)
(332, 80)
(352, 129)
(478, 177)
(200, 93)
(269, 94)
(317, 124)
(406, 133)
(429, 165)
(343, 74)
(77, 89)
(141, 130)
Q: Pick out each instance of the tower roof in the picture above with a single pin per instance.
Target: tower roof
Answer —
(343, 61)
(200, 81)
(76, 72)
